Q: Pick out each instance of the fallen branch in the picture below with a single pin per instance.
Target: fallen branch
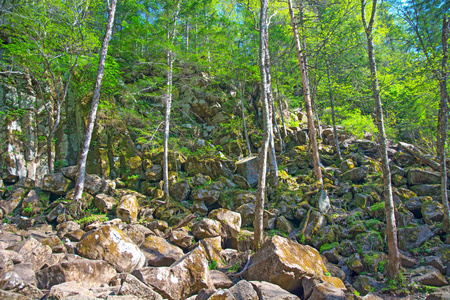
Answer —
(180, 224)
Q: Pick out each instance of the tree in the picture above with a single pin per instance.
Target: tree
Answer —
(422, 18)
(307, 95)
(391, 231)
(47, 40)
(79, 186)
(170, 40)
(264, 67)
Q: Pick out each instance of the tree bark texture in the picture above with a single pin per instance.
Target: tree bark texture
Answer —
(391, 231)
(94, 106)
(307, 95)
(442, 124)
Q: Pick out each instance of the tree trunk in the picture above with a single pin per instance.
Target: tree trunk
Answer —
(94, 106)
(169, 104)
(442, 125)
(281, 109)
(333, 115)
(307, 95)
(391, 231)
(260, 194)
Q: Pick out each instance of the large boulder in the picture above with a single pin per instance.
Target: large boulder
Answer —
(33, 252)
(104, 203)
(410, 237)
(180, 191)
(130, 285)
(112, 245)
(243, 290)
(89, 273)
(230, 220)
(184, 278)
(356, 174)
(269, 291)
(206, 195)
(128, 208)
(248, 167)
(13, 201)
(56, 183)
(419, 176)
(206, 228)
(285, 262)
(159, 252)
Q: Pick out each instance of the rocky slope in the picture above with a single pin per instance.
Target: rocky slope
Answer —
(200, 245)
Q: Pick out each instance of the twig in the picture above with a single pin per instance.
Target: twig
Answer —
(245, 268)
(183, 222)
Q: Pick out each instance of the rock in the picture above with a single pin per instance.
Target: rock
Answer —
(428, 275)
(230, 221)
(89, 273)
(356, 175)
(347, 165)
(419, 176)
(58, 210)
(221, 294)
(104, 203)
(212, 167)
(432, 211)
(363, 284)
(434, 261)
(70, 288)
(158, 225)
(154, 173)
(200, 179)
(212, 248)
(15, 257)
(12, 296)
(136, 232)
(241, 182)
(66, 227)
(302, 137)
(181, 239)
(269, 291)
(26, 273)
(127, 209)
(220, 280)
(326, 291)
(185, 277)
(180, 191)
(404, 159)
(130, 285)
(354, 263)
(30, 204)
(13, 201)
(33, 252)
(243, 290)
(323, 203)
(248, 168)
(247, 212)
(200, 208)
(410, 237)
(6, 264)
(159, 252)
(426, 189)
(56, 183)
(205, 195)
(206, 228)
(284, 262)
(335, 271)
(113, 246)
(283, 225)
(407, 262)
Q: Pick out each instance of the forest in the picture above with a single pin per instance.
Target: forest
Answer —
(310, 128)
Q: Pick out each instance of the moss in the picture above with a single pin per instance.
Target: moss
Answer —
(377, 206)
(326, 247)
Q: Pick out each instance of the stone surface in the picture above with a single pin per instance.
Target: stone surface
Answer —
(410, 237)
(206, 228)
(419, 176)
(113, 246)
(159, 252)
(269, 291)
(284, 262)
(248, 168)
(104, 203)
(130, 285)
(428, 275)
(212, 167)
(243, 290)
(128, 208)
(87, 272)
(356, 174)
(56, 183)
(33, 252)
(70, 288)
(184, 278)
(230, 220)
(180, 191)
(220, 279)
